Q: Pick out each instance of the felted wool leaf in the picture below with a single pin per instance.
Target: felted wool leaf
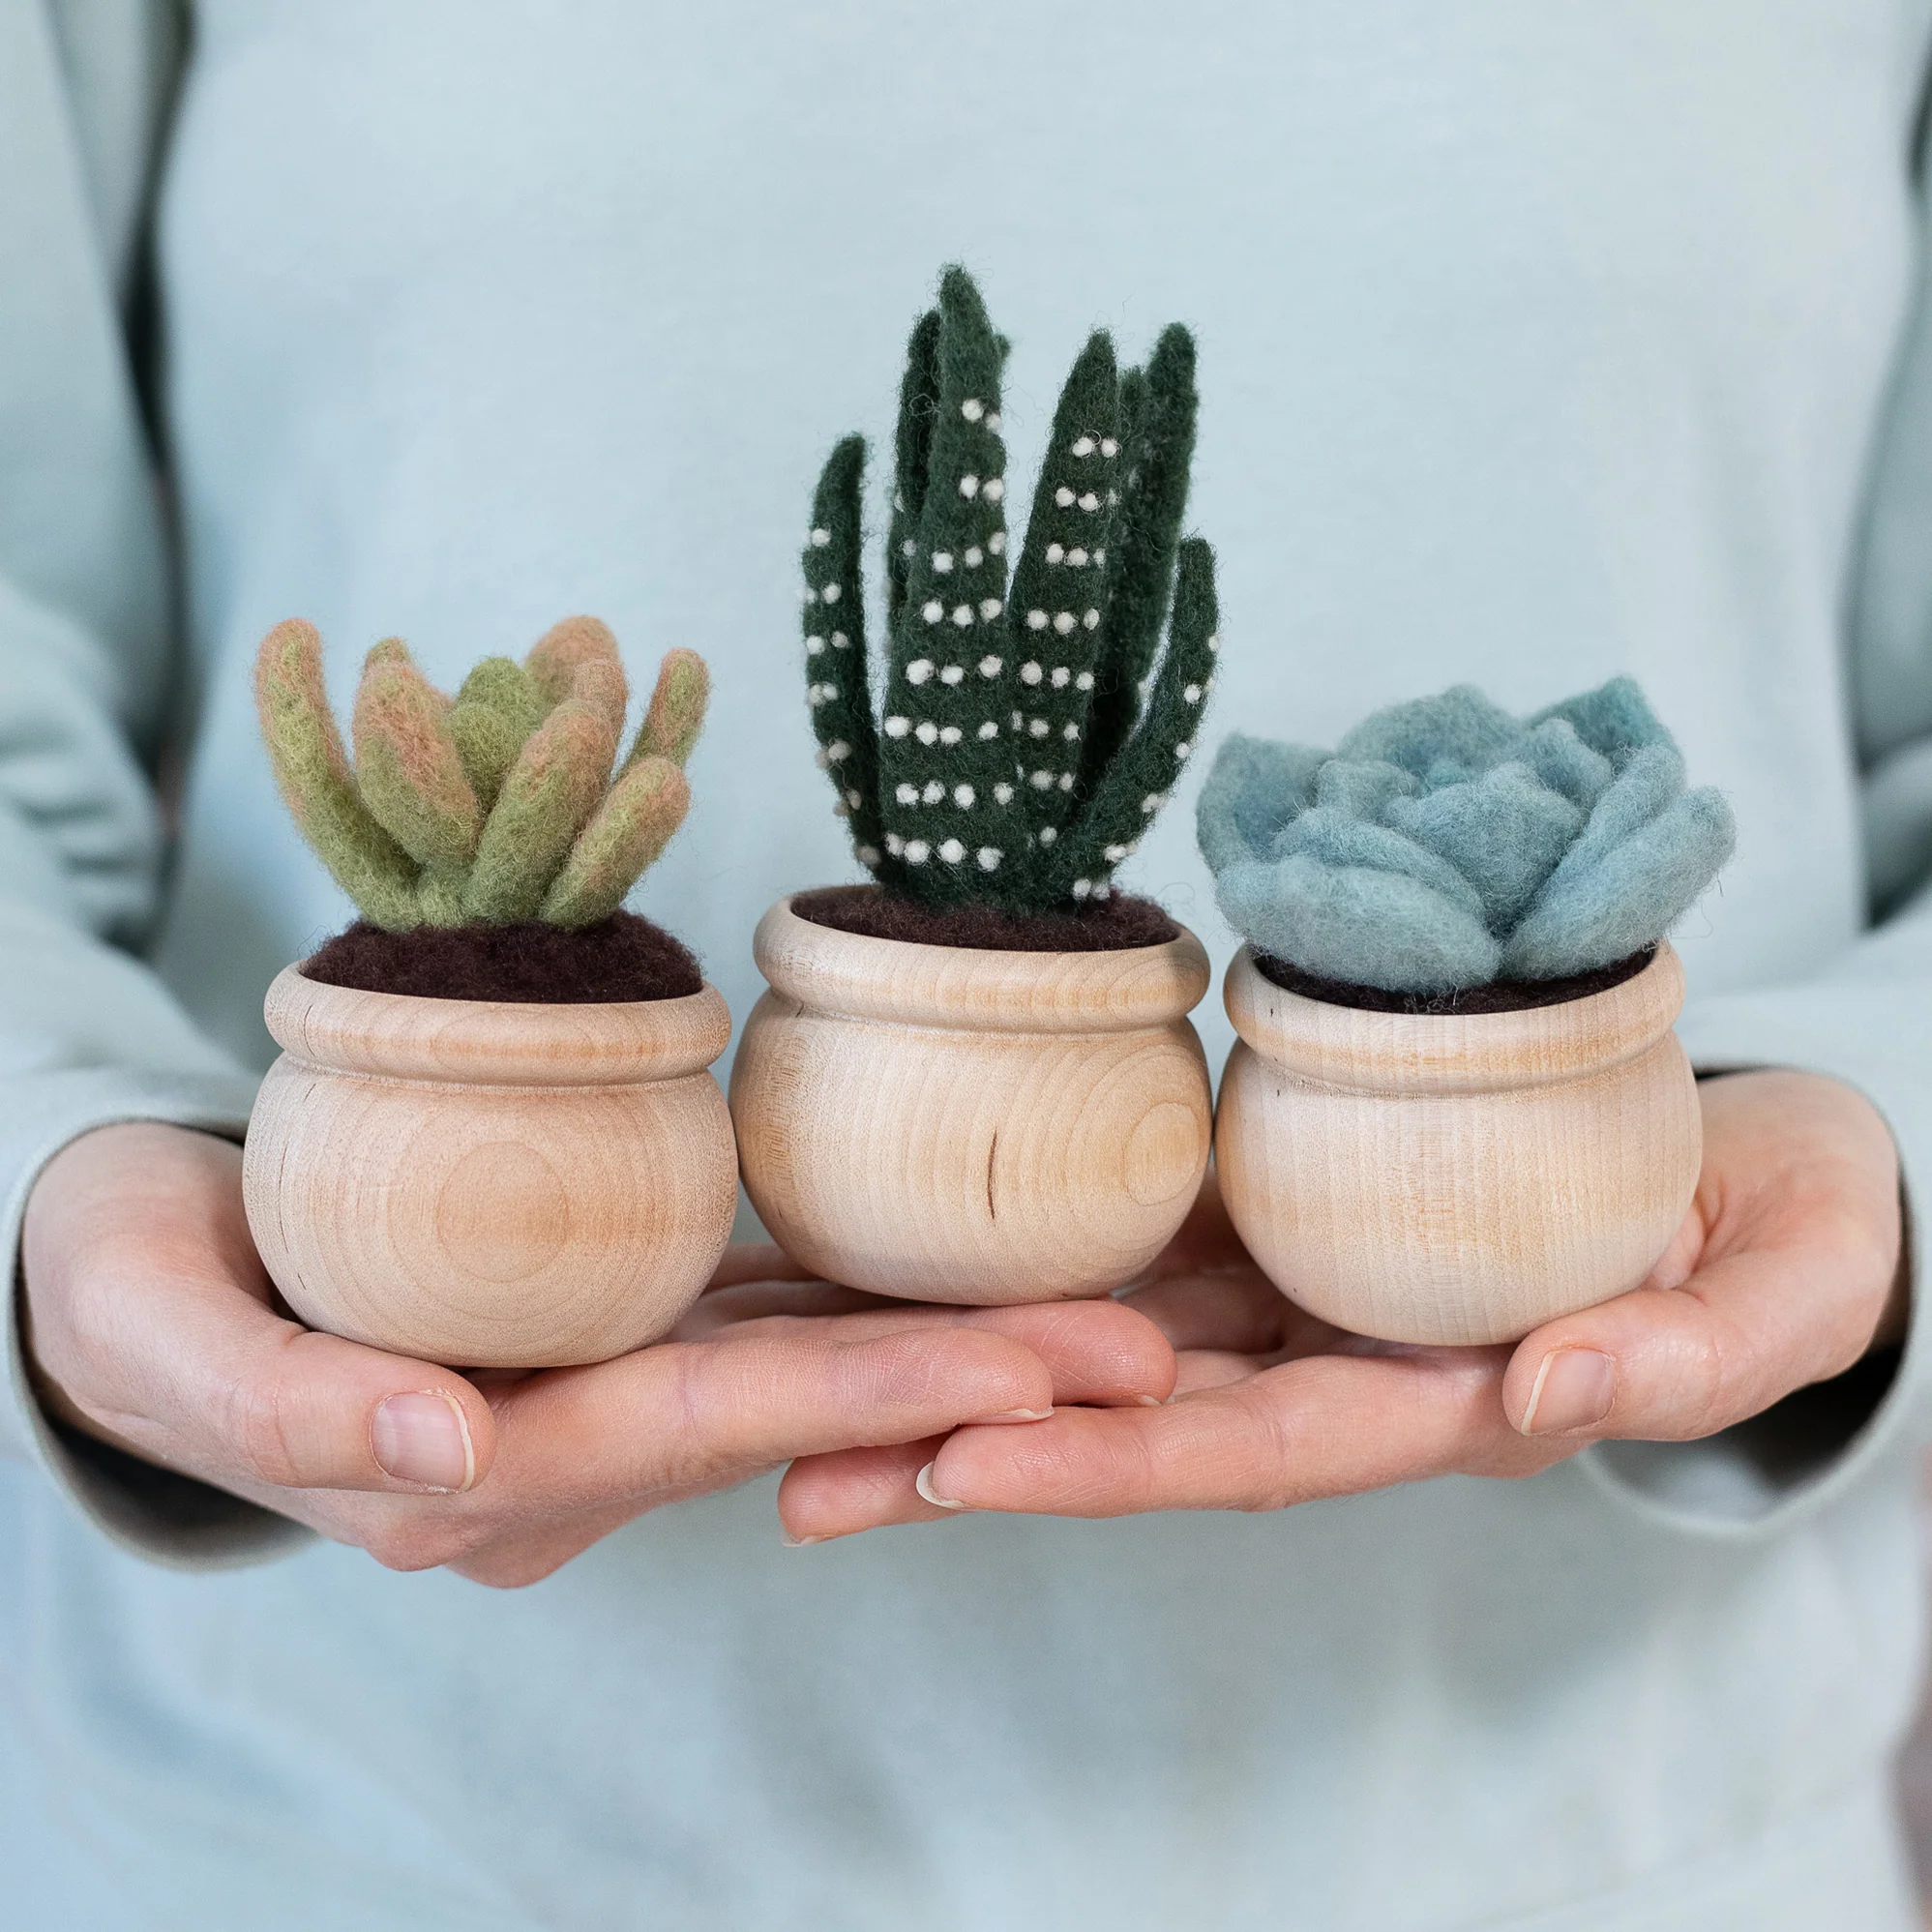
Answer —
(1445, 843)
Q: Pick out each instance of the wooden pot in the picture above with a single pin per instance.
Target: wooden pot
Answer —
(485, 1184)
(1459, 1179)
(949, 1124)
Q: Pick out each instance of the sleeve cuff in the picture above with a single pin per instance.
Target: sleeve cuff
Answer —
(151, 1512)
(1770, 1472)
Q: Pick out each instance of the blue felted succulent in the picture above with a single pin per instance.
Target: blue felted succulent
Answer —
(1445, 844)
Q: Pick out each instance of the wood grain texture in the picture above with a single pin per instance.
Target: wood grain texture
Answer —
(491, 1184)
(1458, 1178)
(949, 1124)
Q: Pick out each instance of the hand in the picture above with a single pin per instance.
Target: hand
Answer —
(1785, 1271)
(154, 1326)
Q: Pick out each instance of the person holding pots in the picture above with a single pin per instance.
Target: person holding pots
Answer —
(1537, 346)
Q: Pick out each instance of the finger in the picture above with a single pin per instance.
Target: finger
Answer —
(1792, 1245)
(1326, 1426)
(684, 1417)
(1095, 1352)
(824, 1497)
(148, 1320)
(1677, 1364)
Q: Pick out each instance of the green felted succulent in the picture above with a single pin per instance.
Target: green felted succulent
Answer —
(497, 806)
(1445, 844)
(1025, 736)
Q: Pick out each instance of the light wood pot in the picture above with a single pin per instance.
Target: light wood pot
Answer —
(1459, 1178)
(491, 1184)
(971, 1126)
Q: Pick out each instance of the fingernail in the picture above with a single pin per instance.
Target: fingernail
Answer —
(792, 1542)
(424, 1439)
(1153, 1400)
(1574, 1388)
(923, 1483)
(1019, 1416)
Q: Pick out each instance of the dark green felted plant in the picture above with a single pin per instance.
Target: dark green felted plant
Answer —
(496, 806)
(1024, 738)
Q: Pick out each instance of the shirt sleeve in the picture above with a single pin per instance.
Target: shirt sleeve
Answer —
(88, 1035)
(1866, 1019)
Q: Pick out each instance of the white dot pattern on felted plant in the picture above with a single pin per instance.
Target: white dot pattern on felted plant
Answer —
(988, 857)
(1070, 732)
(839, 641)
(926, 731)
(996, 542)
(907, 794)
(917, 851)
(963, 796)
(918, 670)
(963, 615)
(1063, 622)
(831, 593)
(1031, 671)
(949, 734)
(868, 856)
(973, 408)
(989, 665)
(952, 852)
(1066, 781)
(1192, 695)
(932, 611)
(1061, 676)
(1109, 446)
(989, 730)
(1082, 446)
(893, 844)
(1056, 553)
(1180, 751)
(974, 556)
(1082, 887)
(990, 607)
(819, 539)
(952, 673)
(1048, 834)
(1002, 794)
(943, 561)
(1091, 619)
(908, 549)
(1036, 727)
(897, 727)
(933, 794)
(1084, 681)
(968, 487)
(995, 488)
(1036, 620)
(1076, 557)
(836, 752)
(1042, 781)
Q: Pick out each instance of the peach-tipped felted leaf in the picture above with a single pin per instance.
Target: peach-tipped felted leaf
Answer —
(311, 770)
(601, 681)
(407, 766)
(624, 837)
(497, 708)
(555, 784)
(554, 658)
(677, 713)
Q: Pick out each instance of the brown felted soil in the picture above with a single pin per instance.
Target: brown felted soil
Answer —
(620, 958)
(1500, 996)
(1114, 925)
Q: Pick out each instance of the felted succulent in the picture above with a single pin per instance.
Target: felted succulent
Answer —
(1012, 763)
(496, 806)
(1445, 844)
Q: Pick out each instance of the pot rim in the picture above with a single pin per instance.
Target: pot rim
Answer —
(979, 991)
(1353, 1049)
(495, 1042)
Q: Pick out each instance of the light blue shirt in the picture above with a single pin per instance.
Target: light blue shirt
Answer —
(1537, 344)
